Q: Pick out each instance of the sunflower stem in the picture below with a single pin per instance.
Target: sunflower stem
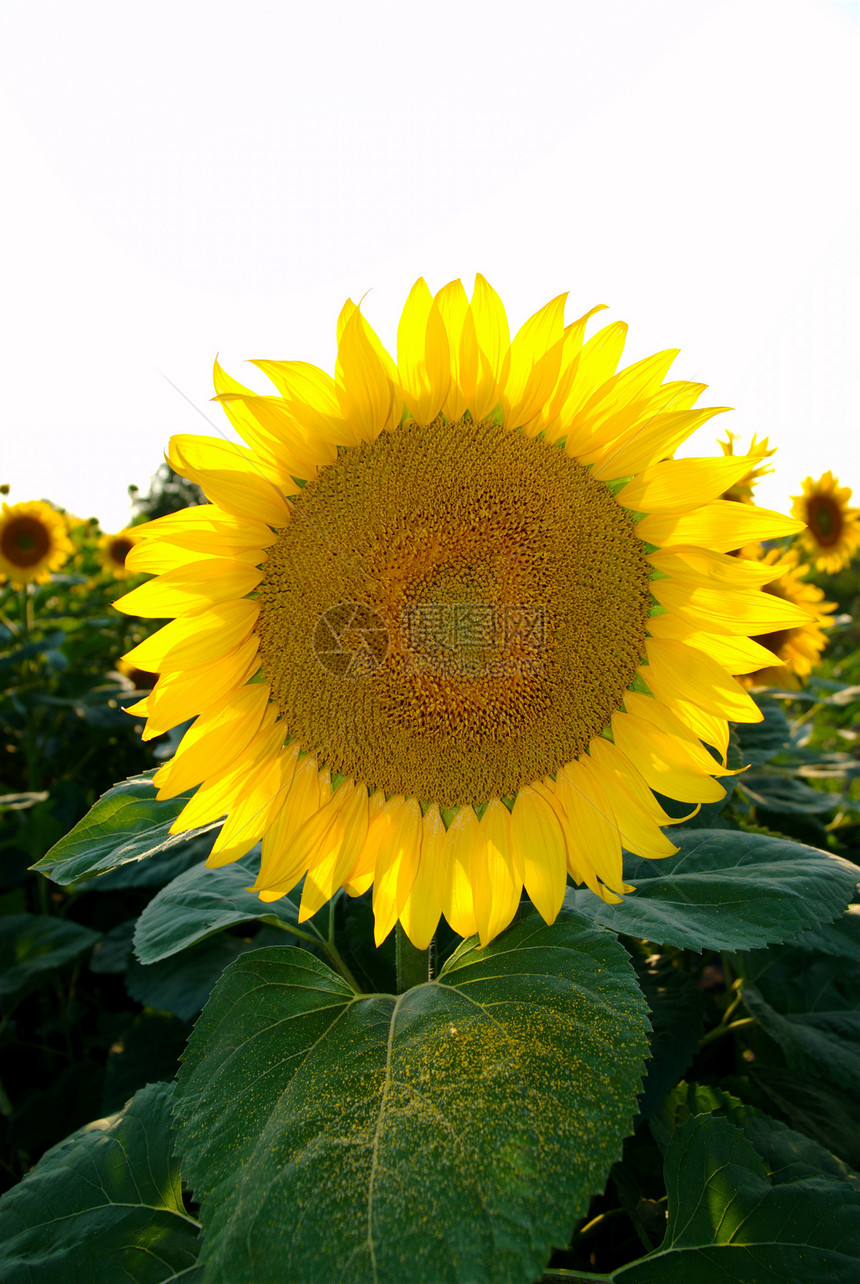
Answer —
(413, 966)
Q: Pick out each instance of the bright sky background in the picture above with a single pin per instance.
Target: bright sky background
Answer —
(184, 177)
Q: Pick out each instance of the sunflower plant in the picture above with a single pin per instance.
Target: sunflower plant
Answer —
(447, 690)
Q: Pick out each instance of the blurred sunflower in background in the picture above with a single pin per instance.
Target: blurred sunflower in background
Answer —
(742, 490)
(34, 541)
(832, 534)
(798, 648)
(113, 551)
(448, 621)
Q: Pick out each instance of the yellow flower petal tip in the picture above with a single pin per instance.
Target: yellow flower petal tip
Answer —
(425, 594)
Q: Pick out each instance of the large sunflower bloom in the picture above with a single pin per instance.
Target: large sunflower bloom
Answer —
(448, 622)
(34, 541)
(798, 649)
(113, 551)
(832, 534)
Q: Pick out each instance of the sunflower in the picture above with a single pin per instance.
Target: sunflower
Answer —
(448, 622)
(742, 490)
(34, 542)
(114, 549)
(832, 534)
(800, 647)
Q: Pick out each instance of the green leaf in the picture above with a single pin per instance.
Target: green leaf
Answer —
(787, 1154)
(786, 794)
(184, 990)
(806, 999)
(104, 1205)
(809, 1105)
(761, 741)
(726, 890)
(202, 902)
(127, 824)
(32, 945)
(147, 1050)
(823, 1043)
(729, 1220)
(453, 1133)
(676, 1006)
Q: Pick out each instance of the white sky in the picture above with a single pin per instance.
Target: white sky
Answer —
(183, 178)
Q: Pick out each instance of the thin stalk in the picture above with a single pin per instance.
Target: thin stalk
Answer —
(413, 966)
(330, 949)
(561, 1276)
(720, 1030)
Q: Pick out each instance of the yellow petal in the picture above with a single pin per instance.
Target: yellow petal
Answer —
(701, 566)
(284, 442)
(256, 805)
(284, 860)
(651, 441)
(191, 588)
(179, 696)
(594, 366)
(530, 369)
(423, 906)
(367, 396)
(663, 761)
(539, 851)
(206, 520)
(615, 767)
(214, 740)
(496, 886)
(721, 526)
(220, 792)
(155, 556)
(637, 826)
(593, 822)
(196, 639)
(677, 671)
(336, 853)
(423, 359)
(726, 610)
(379, 812)
(671, 483)
(491, 324)
(230, 475)
(655, 712)
(453, 307)
(396, 867)
(734, 654)
(457, 902)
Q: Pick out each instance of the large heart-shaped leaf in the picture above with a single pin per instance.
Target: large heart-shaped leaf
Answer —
(127, 823)
(726, 890)
(102, 1206)
(729, 1218)
(452, 1134)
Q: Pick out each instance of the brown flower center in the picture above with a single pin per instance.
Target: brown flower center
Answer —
(454, 610)
(24, 541)
(824, 519)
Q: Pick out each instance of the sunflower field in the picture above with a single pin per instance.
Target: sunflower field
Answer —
(430, 836)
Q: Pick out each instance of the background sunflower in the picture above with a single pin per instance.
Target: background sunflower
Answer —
(34, 542)
(832, 534)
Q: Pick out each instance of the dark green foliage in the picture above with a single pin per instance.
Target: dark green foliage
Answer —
(432, 1134)
(103, 1205)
